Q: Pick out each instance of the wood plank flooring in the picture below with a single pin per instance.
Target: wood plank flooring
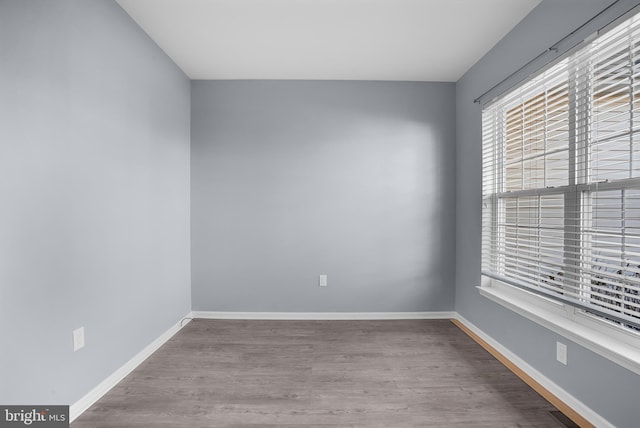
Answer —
(237, 373)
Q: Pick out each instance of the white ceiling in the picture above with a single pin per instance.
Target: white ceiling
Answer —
(414, 40)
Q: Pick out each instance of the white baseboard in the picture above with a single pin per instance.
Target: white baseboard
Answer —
(77, 408)
(571, 401)
(317, 316)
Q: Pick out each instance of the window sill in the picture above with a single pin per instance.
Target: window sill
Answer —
(554, 317)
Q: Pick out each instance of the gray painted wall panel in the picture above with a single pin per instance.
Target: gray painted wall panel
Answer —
(94, 187)
(295, 179)
(602, 385)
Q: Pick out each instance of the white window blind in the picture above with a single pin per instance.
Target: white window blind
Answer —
(561, 180)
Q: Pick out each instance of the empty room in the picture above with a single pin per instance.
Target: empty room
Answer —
(319, 213)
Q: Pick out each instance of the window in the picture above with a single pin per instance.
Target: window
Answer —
(561, 183)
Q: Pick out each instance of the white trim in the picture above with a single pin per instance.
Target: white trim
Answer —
(571, 401)
(605, 344)
(323, 315)
(77, 408)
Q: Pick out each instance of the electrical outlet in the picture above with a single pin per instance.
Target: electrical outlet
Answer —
(561, 353)
(78, 339)
(323, 280)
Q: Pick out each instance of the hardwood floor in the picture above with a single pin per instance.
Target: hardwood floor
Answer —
(231, 373)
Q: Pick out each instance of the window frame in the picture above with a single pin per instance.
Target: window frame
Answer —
(613, 341)
(604, 338)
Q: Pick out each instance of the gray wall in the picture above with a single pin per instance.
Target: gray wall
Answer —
(604, 386)
(94, 187)
(294, 179)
